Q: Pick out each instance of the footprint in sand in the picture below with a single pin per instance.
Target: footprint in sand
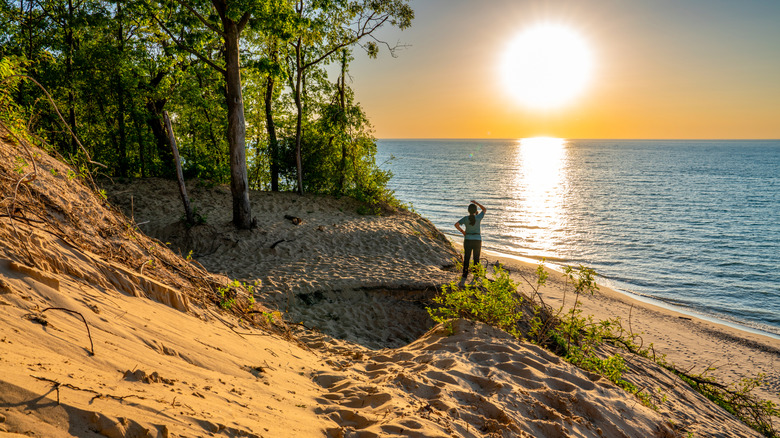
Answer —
(367, 400)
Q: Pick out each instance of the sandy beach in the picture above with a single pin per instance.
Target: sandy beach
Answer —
(358, 355)
(690, 343)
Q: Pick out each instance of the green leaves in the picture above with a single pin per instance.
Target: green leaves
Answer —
(583, 279)
(112, 67)
(494, 302)
(230, 295)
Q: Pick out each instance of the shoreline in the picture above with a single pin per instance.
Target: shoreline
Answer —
(721, 320)
(322, 267)
(689, 341)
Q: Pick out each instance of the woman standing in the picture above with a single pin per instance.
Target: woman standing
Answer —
(472, 239)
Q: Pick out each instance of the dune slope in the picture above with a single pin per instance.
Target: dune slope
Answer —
(167, 362)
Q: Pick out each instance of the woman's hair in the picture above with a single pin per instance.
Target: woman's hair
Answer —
(472, 214)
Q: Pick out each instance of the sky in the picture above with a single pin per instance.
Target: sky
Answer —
(682, 69)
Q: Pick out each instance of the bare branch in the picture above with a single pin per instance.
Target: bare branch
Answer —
(391, 49)
(91, 345)
(364, 31)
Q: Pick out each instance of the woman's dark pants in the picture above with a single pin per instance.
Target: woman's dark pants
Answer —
(470, 246)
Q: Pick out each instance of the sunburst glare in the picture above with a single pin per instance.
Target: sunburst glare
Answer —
(540, 184)
(546, 66)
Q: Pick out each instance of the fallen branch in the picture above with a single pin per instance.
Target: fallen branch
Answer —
(91, 345)
(57, 385)
(177, 161)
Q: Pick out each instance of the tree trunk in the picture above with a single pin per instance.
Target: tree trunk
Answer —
(299, 119)
(154, 120)
(180, 176)
(273, 144)
(239, 180)
(155, 123)
(123, 162)
(69, 44)
(342, 122)
(139, 139)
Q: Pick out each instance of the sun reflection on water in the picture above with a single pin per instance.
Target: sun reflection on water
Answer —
(539, 185)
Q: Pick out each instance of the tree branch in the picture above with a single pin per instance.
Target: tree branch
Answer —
(200, 17)
(364, 31)
(91, 345)
(243, 21)
(391, 49)
(188, 48)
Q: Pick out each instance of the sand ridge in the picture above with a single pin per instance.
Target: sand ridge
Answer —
(333, 248)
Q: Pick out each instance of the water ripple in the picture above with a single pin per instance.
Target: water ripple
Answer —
(689, 222)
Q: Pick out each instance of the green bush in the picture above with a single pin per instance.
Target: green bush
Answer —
(228, 296)
(492, 301)
(12, 116)
(578, 338)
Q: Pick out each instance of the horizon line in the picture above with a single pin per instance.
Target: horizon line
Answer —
(583, 138)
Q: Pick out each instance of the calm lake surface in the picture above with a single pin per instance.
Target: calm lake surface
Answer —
(694, 224)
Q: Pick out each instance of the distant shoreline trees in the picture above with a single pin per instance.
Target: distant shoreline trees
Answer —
(244, 81)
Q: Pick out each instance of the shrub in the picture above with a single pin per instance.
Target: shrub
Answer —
(492, 301)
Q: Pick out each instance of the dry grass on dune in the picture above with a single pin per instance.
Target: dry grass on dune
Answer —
(53, 208)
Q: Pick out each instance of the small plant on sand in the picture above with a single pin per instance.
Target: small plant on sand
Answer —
(738, 399)
(492, 301)
(577, 338)
(228, 296)
(272, 317)
(20, 164)
(226, 301)
(198, 218)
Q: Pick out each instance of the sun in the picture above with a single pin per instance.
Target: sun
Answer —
(547, 66)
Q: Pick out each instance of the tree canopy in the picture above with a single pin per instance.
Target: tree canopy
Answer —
(245, 81)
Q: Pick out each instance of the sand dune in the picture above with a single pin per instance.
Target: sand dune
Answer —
(333, 248)
(167, 362)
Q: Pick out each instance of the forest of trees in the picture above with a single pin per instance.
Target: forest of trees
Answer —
(245, 82)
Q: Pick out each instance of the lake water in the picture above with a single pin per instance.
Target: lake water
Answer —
(694, 224)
